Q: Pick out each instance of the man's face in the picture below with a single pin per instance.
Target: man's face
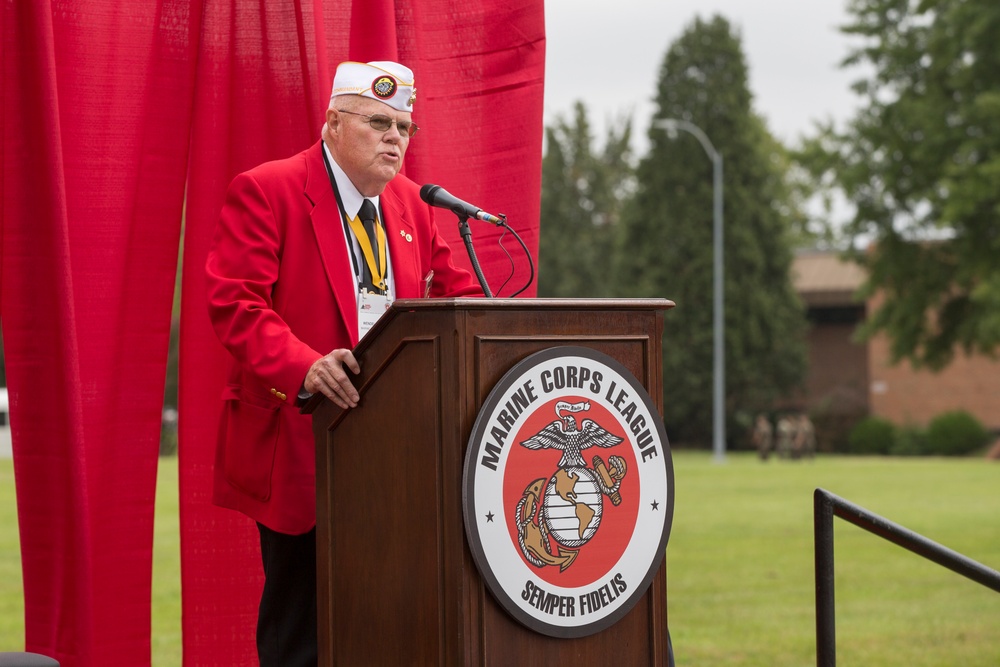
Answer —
(369, 157)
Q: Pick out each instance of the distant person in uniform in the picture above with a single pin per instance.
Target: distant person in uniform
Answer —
(805, 437)
(763, 436)
(786, 436)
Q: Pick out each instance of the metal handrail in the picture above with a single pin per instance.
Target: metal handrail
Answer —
(827, 505)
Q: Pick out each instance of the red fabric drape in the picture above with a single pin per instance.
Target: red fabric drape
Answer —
(478, 68)
(480, 71)
(110, 108)
(258, 91)
(95, 125)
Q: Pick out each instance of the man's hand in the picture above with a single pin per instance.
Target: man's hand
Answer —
(328, 376)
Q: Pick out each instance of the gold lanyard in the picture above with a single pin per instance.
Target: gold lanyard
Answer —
(377, 268)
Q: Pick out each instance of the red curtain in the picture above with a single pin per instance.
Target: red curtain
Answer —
(95, 125)
(111, 109)
(478, 68)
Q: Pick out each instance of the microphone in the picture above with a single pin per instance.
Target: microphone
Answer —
(435, 195)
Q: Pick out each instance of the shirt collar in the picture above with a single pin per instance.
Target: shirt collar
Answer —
(350, 198)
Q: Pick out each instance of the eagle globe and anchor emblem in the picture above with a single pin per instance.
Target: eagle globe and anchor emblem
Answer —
(569, 507)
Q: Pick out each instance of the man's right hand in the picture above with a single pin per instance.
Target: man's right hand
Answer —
(328, 376)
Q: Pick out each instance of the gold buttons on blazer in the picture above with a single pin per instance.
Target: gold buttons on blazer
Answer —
(278, 394)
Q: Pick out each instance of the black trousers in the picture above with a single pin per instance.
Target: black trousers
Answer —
(286, 622)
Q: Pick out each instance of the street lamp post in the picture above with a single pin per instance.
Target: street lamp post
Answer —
(671, 126)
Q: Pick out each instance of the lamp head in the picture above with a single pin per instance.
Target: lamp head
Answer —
(669, 125)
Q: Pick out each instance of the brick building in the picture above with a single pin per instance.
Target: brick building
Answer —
(849, 379)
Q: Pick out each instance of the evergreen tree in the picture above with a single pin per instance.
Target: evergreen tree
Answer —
(921, 164)
(582, 196)
(666, 244)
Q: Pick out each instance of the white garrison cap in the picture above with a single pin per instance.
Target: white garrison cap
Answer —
(381, 80)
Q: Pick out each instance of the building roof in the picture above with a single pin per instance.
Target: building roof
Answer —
(825, 279)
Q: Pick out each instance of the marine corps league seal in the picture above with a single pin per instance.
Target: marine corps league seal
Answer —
(568, 491)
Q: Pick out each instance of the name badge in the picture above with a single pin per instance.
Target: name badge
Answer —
(371, 307)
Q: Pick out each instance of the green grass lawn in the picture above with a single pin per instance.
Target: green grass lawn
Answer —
(740, 563)
(740, 573)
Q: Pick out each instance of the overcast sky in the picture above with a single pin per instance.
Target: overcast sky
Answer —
(608, 53)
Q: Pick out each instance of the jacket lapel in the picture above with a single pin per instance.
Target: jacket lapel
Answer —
(329, 231)
(402, 246)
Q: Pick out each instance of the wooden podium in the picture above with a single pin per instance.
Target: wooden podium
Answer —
(397, 583)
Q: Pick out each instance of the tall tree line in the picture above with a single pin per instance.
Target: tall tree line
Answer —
(583, 193)
(650, 233)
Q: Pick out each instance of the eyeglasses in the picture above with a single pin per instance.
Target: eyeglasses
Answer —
(382, 123)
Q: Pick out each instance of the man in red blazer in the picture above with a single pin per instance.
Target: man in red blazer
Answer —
(299, 262)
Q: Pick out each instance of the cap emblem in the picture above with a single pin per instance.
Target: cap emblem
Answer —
(384, 87)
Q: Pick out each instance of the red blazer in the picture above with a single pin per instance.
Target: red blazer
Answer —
(281, 294)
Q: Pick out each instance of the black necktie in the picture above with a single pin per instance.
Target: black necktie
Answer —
(367, 216)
